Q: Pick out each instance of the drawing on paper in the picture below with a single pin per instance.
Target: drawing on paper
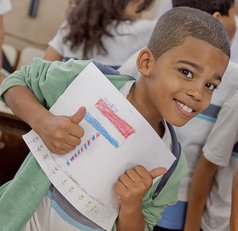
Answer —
(119, 124)
(83, 147)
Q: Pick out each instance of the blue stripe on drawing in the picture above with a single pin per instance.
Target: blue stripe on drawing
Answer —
(90, 119)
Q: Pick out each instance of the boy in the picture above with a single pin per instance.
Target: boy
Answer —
(180, 68)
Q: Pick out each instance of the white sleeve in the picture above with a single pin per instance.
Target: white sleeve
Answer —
(129, 67)
(5, 6)
(223, 136)
(57, 41)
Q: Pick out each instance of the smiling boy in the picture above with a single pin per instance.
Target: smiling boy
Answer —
(180, 68)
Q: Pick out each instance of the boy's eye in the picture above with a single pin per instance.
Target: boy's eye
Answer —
(211, 86)
(186, 73)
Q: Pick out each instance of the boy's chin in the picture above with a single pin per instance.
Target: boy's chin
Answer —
(180, 123)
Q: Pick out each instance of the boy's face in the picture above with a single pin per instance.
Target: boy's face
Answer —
(180, 83)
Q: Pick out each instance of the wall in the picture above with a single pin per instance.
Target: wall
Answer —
(22, 30)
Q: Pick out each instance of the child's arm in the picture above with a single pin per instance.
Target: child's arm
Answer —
(60, 134)
(46, 81)
(130, 189)
(234, 205)
(199, 191)
(52, 55)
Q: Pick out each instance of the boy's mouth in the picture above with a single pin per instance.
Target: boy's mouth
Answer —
(184, 108)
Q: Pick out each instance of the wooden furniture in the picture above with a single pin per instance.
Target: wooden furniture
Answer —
(13, 149)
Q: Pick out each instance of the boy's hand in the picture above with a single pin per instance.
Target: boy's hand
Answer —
(133, 185)
(61, 134)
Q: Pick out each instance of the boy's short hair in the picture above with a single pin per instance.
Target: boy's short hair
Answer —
(210, 6)
(177, 24)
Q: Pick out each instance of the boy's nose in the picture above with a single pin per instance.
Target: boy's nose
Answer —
(196, 93)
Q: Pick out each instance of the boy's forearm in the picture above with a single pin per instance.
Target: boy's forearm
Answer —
(26, 107)
(52, 55)
(130, 220)
(198, 194)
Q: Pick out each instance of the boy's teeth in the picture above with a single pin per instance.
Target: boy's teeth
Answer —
(185, 107)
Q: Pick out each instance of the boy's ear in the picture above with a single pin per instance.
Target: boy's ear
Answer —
(216, 15)
(145, 62)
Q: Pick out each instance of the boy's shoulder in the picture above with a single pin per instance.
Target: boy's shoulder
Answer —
(75, 66)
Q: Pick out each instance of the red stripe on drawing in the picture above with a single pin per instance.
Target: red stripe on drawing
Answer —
(122, 126)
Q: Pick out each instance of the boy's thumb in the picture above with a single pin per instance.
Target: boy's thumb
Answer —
(157, 172)
(78, 116)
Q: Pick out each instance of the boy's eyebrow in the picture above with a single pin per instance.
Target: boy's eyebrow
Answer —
(194, 65)
(190, 63)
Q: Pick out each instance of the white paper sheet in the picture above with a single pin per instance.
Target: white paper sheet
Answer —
(123, 139)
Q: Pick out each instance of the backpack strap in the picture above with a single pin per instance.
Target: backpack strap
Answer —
(176, 150)
(106, 69)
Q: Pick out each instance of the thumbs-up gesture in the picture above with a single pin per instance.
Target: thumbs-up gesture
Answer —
(133, 184)
(62, 134)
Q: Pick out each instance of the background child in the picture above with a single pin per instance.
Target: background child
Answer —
(108, 31)
(217, 215)
(178, 76)
(214, 172)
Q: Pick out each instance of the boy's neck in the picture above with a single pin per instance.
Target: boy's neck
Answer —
(160, 129)
(143, 107)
